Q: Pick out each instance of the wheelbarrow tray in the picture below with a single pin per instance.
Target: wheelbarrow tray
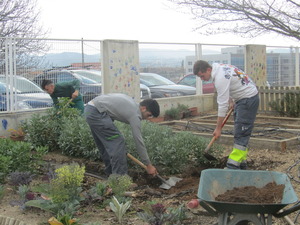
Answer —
(214, 182)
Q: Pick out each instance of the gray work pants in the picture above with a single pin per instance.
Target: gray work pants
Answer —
(109, 141)
(244, 116)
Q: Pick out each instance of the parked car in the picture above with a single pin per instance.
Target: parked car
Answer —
(28, 94)
(190, 80)
(161, 87)
(96, 76)
(88, 87)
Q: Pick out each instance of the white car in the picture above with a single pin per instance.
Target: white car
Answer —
(28, 94)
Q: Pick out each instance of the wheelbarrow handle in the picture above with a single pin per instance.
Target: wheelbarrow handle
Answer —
(208, 208)
(283, 213)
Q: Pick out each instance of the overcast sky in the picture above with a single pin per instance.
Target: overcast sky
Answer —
(142, 20)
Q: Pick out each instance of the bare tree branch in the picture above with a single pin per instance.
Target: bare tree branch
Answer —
(248, 18)
(19, 19)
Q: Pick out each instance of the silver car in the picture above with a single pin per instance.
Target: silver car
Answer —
(96, 76)
(161, 87)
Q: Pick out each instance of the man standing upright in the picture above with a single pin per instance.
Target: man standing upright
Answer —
(234, 89)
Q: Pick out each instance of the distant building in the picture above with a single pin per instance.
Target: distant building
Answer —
(280, 66)
(281, 69)
(232, 55)
(91, 65)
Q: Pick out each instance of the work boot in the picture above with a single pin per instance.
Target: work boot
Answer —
(244, 166)
(232, 167)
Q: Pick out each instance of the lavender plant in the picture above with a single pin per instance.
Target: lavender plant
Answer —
(20, 178)
(158, 214)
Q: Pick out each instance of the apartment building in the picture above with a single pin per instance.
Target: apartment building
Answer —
(280, 66)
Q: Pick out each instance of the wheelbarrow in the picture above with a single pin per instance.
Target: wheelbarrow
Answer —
(214, 182)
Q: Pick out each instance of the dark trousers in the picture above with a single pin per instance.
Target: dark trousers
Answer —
(244, 116)
(109, 141)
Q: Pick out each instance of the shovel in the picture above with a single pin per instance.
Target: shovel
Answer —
(167, 184)
(206, 154)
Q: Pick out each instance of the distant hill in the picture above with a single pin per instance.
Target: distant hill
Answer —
(66, 58)
(148, 57)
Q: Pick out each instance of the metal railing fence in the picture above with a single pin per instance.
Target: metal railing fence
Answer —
(28, 58)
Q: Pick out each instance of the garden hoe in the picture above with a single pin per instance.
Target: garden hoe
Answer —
(206, 154)
(167, 184)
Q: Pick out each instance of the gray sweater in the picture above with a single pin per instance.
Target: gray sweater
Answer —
(123, 108)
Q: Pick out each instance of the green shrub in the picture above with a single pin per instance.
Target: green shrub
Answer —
(168, 150)
(119, 184)
(288, 106)
(19, 156)
(179, 151)
(182, 107)
(76, 138)
(2, 191)
(176, 112)
(172, 114)
(66, 185)
(45, 130)
(70, 175)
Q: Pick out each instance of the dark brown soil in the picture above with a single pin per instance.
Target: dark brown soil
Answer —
(271, 193)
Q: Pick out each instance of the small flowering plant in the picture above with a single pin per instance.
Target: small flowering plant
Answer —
(16, 132)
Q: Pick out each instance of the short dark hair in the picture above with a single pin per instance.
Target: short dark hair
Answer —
(45, 83)
(151, 106)
(201, 66)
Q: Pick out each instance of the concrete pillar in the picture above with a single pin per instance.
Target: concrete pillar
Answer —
(297, 66)
(120, 67)
(199, 89)
(256, 63)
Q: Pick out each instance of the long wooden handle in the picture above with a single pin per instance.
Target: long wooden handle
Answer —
(214, 138)
(136, 161)
(145, 167)
(226, 118)
(210, 144)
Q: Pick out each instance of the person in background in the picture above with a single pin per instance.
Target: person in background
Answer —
(234, 89)
(65, 89)
(100, 113)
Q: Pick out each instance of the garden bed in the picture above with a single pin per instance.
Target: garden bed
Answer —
(278, 133)
(171, 152)
(147, 190)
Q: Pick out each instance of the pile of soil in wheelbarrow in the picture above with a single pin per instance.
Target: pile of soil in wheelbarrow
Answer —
(269, 194)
